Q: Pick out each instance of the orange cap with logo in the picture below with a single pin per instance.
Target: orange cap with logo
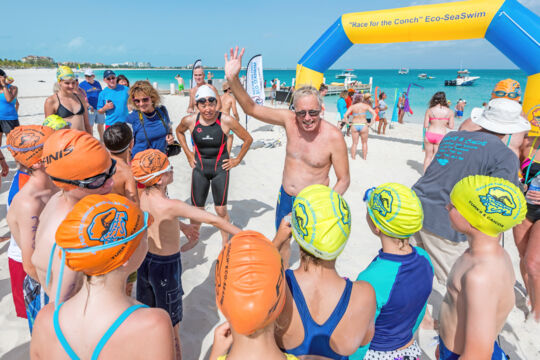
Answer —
(148, 166)
(74, 155)
(98, 221)
(25, 143)
(507, 88)
(250, 282)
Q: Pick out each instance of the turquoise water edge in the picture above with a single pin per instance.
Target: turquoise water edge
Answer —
(386, 80)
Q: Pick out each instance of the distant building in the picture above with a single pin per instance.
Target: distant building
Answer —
(34, 58)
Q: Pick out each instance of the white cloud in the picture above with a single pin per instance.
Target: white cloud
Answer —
(76, 42)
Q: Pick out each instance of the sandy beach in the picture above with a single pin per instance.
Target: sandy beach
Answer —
(254, 184)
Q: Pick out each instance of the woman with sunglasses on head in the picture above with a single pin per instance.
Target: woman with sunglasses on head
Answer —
(104, 239)
(67, 102)
(359, 125)
(210, 159)
(437, 119)
(150, 120)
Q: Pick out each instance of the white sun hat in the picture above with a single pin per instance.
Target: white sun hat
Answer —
(502, 116)
(204, 91)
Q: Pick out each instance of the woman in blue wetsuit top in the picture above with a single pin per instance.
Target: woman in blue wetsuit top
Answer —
(402, 275)
(324, 314)
(104, 237)
(210, 159)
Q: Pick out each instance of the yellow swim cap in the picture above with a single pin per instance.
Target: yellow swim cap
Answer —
(321, 221)
(55, 122)
(64, 73)
(395, 210)
(492, 205)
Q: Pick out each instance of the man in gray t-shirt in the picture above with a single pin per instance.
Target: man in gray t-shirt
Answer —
(460, 154)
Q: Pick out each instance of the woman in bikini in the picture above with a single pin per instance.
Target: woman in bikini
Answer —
(66, 103)
(527, 234)
(359, 127)
(438, 118)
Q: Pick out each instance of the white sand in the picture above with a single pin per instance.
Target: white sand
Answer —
(254, 184)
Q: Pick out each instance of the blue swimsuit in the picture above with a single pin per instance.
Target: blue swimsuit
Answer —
(445, 354)
(317, 337)
(104, 339)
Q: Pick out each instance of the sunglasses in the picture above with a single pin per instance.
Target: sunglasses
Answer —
(141, 101)
(91, 183)
(302, 113)
(110, 78)
(511, 95)
(225, 90)
(211, 100)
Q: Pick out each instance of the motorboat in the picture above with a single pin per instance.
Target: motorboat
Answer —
(403, 71)
(462, 80)
(346, 74)
(425, 77)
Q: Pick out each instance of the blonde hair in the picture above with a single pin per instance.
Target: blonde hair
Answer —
(306, 91)
(146, 88)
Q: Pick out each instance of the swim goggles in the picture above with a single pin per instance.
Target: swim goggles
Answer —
(511, 95)
(94, 182)
(92, 249)
(146, 178)
(13, 148)
(211, 100)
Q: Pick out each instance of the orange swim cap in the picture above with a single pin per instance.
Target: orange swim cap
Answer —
(25, 143)
(74, 155)
(507, 88)
(250, 282)
(98, 220)
(148, 166)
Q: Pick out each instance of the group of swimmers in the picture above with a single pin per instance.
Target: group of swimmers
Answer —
(82, 237)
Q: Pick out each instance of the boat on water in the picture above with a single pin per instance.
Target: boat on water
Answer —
(403, 71)
(425, 77)
(346, 74)
(462, 80)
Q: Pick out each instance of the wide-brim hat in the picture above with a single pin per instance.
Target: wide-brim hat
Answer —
(502, 116)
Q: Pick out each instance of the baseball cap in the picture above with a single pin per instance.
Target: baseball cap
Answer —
(108, 73)
(88, 72)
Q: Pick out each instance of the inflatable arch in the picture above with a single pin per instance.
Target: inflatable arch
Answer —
(508, 25)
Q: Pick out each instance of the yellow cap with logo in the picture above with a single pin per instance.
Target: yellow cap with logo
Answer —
(492, 205)
(321, 221)
(395, 209)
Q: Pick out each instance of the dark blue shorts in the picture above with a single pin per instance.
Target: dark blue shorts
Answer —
(284, 205)
(159, 284)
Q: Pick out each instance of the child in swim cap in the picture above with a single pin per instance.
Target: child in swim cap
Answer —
(159, 277)
(26, 201)
(321, 224)
(482, 279)
(79, 165)
(103, 237)
(250, 292)
(394, 213)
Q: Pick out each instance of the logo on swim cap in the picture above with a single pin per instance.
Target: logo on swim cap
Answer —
(28, 140)
(344, 211)
(108, 226)
(382, 202)
(301, 219)
(534, 116)
(150, 162)
(498, 201)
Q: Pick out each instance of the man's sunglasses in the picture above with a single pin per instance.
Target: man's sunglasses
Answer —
(94, 182)
(110, 78)
(511, 95)
(211, 100)
(302, 113)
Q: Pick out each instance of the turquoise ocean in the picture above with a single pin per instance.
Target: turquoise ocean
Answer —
(387, 80)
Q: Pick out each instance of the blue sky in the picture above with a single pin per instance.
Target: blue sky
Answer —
(175, 33)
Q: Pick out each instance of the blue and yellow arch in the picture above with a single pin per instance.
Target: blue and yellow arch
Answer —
(508, 25)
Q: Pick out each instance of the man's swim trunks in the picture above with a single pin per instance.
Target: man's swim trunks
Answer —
(284, 205)
(34, 299)
(445, 354)
(459, 113)
(159, 284)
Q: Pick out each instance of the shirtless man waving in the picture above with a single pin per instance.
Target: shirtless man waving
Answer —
(313, 145)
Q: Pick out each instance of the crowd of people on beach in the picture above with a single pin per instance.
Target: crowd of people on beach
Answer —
(91, 216)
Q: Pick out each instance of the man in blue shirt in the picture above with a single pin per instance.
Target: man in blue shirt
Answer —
(112, 100)
(92, 89)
